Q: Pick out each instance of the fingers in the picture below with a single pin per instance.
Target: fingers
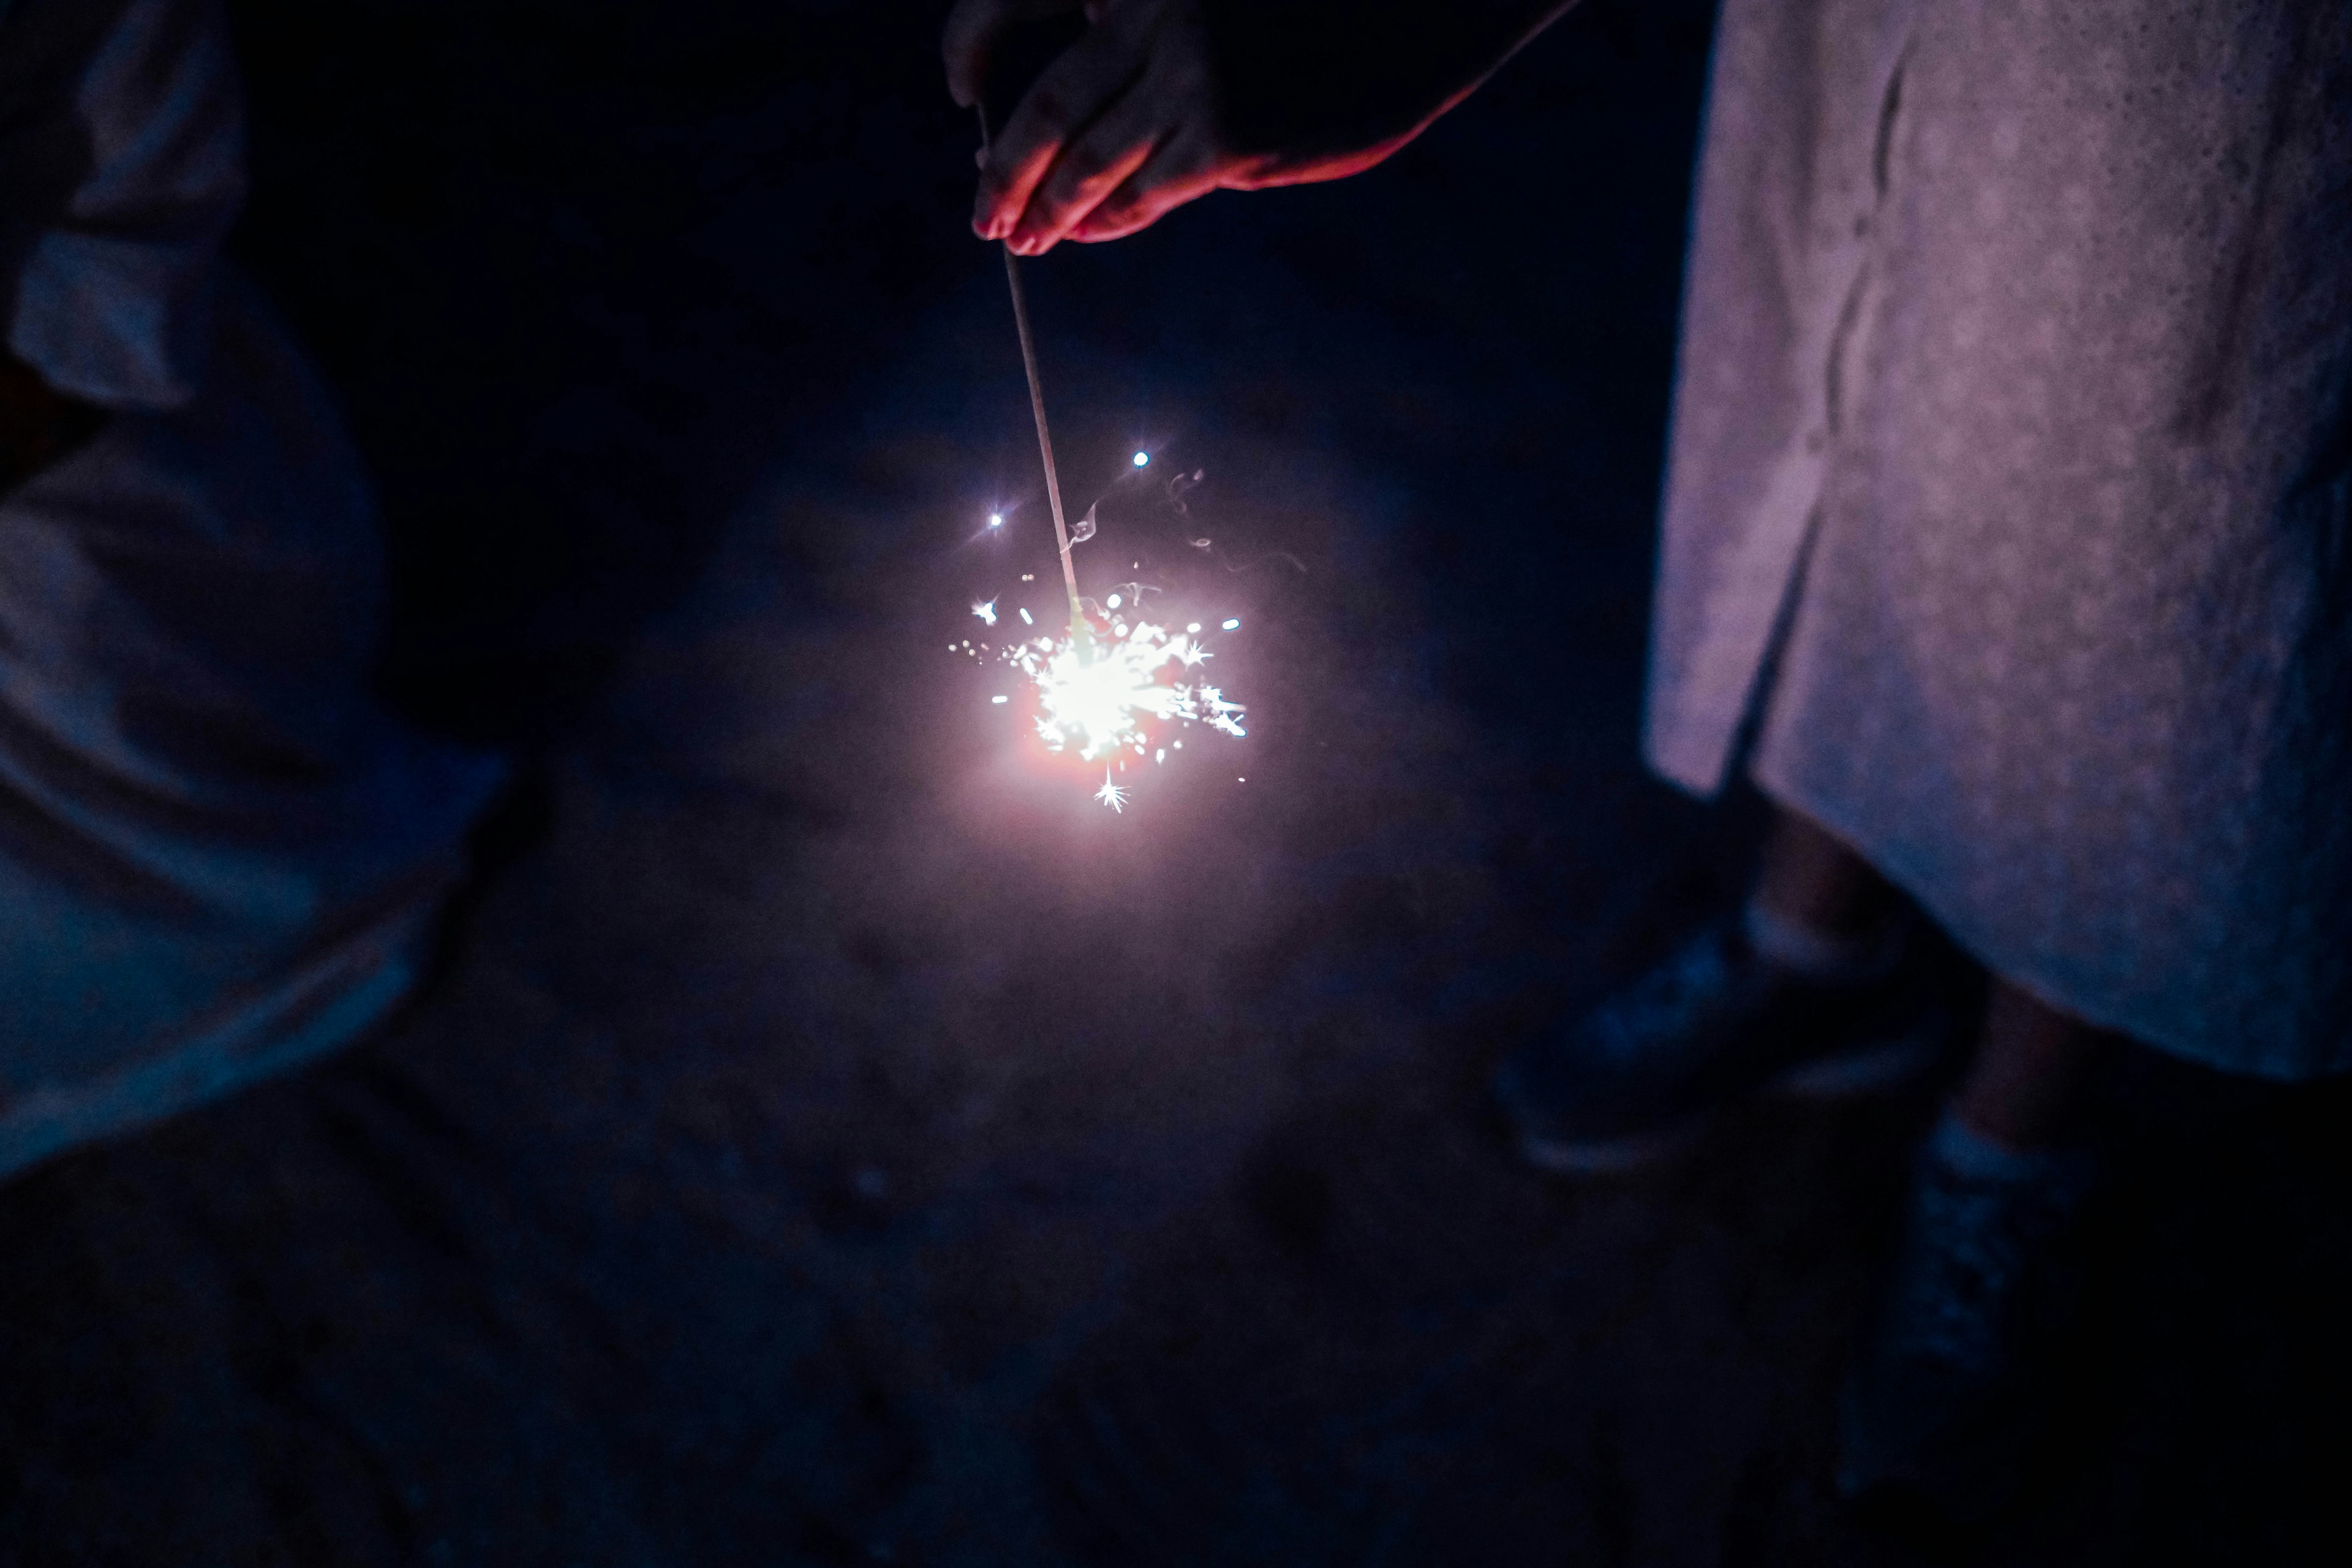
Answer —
(1099, 162)
(971, 36)
(1184, 168)
(1074, 90)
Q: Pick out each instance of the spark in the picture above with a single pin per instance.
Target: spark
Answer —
(1141, 458)
(1112, 688)
(996, 520)
(1108, 702)
(1233, 626)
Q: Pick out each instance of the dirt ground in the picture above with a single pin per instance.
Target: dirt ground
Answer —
(834, 1137)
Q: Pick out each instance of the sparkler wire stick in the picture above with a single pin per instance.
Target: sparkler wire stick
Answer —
(1080, 632)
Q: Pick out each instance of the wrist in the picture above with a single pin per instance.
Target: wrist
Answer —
(1306, 82)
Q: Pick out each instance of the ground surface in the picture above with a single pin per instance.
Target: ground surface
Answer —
(837, 1141)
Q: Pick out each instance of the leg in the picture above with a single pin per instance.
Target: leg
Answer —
(1944, 1405)
(2031, 1059)
(1808, 989)
(2030, 1067)
(1810, 878)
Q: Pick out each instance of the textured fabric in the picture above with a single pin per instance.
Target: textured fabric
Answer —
(2009, 521)
(217, 855)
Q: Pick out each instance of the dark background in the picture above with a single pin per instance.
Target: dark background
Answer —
(832, 1140)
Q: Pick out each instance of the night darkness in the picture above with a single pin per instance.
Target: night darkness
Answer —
(827, 1140)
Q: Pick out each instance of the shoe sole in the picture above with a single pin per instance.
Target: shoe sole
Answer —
(1875, 1068)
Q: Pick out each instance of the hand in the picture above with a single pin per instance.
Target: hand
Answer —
(1125, 126)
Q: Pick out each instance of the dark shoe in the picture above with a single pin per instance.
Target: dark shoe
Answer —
(1944, 1404)
(1634, 1080)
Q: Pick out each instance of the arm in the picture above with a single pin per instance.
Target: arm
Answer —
(1162, 102)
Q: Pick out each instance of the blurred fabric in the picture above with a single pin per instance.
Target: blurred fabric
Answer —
(217, 855)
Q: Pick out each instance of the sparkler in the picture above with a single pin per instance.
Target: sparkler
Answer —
(1107, 703)
(1100, 696)
(1079, 634)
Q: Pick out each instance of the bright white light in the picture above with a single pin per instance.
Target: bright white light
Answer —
(1114, 601)
(1000, 699)
(1194, 628)
(1233, 625)
(1026, 619)
(1111, 795)
(1105, 700)
(996, 520)
(1141, 458)
(986, 612)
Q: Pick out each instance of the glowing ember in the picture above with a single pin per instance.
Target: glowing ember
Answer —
(1115, 694)
(985, 611)
(1109, 699)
